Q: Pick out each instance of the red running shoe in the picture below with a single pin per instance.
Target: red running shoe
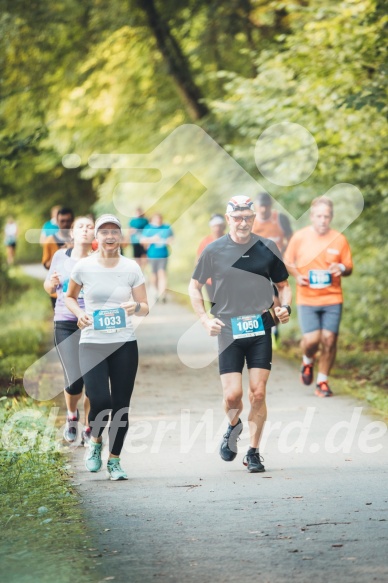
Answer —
(306, 373)
(323, 390)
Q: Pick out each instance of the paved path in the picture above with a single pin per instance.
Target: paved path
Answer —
(319, 513)
(35, 270)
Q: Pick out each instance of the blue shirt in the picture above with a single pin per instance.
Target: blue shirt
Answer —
(137, 223)
(49, 228)
(158, 250)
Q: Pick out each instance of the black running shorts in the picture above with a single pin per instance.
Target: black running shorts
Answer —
(232, 354)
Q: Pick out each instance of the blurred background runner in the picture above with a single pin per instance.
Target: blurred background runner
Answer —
(136, 226)
(276, 227)
(217, 229)
(318, 257)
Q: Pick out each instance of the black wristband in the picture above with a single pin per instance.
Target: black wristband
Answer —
(138, 308)
(288, 308)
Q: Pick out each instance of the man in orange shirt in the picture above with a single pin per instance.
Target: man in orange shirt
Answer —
(274, 226)
(318, 257)
(270, 224)
(217, 227)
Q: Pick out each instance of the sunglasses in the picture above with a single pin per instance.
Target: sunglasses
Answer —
(240, 218)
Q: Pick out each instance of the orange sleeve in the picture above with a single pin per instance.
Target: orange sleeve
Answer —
(204, 243)
(289, 257)
(346, 255)
(48, 252)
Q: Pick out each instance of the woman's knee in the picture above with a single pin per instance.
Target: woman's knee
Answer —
(75, 388)
(99, 404)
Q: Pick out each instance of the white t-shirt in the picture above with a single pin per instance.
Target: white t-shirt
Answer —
(107, 287)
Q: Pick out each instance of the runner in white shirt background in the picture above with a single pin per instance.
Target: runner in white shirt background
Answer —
(66, 331)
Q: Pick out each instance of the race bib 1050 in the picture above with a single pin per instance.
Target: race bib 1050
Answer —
(247, 326)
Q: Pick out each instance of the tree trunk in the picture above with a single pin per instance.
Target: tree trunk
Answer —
(178, 65)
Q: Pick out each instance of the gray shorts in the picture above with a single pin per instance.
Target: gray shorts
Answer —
(157, 264)
(312, 318)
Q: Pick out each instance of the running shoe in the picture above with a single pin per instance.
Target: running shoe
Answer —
(85, 436)
(306, 373)
(228, 447)
(114, 470)
(253, 461)
(70, 432)
(323, 390)
(93, 460)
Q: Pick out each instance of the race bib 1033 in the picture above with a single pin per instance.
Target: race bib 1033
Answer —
(109, 320)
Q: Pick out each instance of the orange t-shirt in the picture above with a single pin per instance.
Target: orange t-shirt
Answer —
(311, 254)
(270, 229)
(204, 243)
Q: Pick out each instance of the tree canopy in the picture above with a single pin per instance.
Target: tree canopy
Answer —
(118, 77)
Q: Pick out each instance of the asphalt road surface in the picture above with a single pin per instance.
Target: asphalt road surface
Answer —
(319, 512)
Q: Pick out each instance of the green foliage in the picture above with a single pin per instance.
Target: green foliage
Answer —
(24, 330)
(40, 517)
(89, 77)
(330, 77)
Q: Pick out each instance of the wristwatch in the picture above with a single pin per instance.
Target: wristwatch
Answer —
(138, 308)
(288, 308)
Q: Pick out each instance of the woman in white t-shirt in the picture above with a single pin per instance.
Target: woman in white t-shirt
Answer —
(114, 290)
(66, 332)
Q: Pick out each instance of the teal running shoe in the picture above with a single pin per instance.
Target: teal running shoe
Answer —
(93, 460)
(114, 470)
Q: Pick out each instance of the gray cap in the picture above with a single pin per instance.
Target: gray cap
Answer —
(103, 219)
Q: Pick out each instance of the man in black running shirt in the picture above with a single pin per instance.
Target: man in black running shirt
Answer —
(243, 267)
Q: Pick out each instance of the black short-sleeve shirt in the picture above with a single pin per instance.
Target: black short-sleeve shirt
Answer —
(242, 275)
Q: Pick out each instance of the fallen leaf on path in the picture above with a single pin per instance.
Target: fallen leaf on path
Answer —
(337, 546)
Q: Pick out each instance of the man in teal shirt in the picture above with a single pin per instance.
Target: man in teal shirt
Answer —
(156, 238)
(136, 226)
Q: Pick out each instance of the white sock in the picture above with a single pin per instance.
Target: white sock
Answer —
(72, 413)
(321, 378)
(307, 360)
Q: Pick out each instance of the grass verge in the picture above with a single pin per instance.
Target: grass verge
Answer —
(43, 535)
(360, 371)
(25, 328)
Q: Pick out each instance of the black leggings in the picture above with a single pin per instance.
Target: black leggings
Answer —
(117, 363)
(66, 338)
